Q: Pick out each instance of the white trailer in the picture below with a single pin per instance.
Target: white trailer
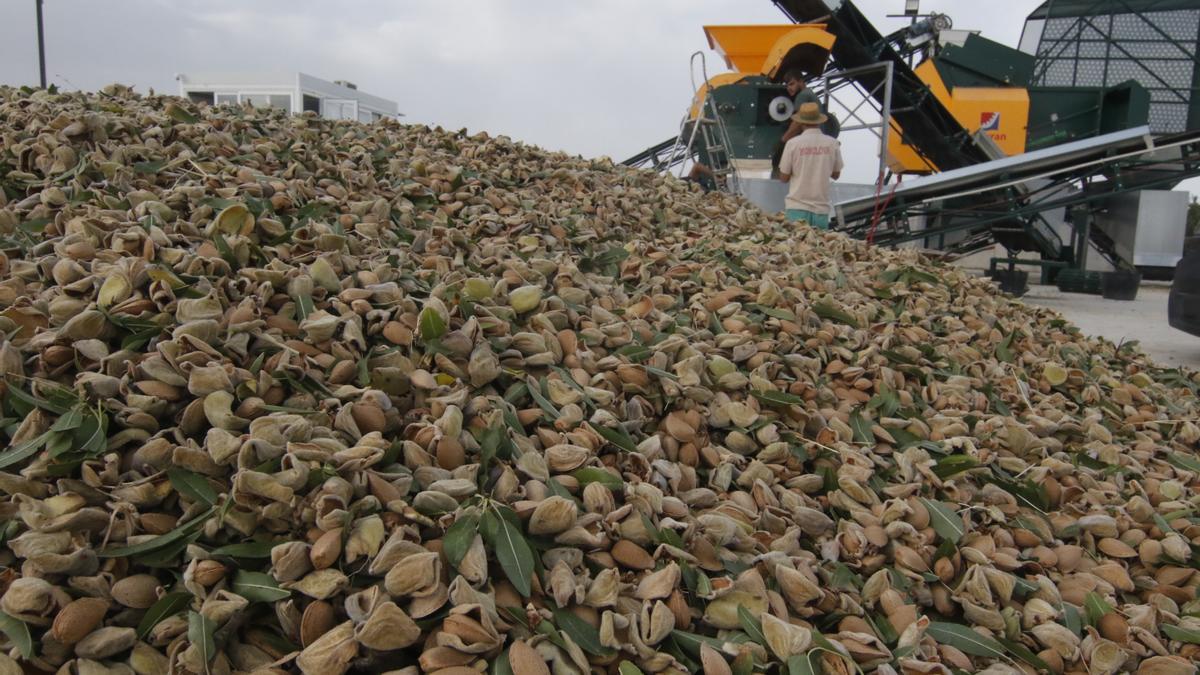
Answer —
(294, 92)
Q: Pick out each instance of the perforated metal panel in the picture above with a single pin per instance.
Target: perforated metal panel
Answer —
(1156, 49)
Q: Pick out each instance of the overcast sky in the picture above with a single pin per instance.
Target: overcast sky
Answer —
(599, 77)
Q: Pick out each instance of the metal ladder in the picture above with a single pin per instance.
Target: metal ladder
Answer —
(711, 129)
(716, 145)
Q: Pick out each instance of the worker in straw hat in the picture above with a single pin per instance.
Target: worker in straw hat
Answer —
(810, 161)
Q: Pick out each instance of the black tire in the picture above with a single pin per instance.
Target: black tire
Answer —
(1183, 305)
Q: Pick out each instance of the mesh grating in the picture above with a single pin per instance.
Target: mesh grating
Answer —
(1060, 74)
(1168, 118)
(1156, 49)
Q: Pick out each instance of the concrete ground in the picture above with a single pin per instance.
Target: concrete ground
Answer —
(1143, 319)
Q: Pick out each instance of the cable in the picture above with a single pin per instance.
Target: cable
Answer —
(880, 207)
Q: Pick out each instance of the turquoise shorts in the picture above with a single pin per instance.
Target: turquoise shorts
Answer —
(817, 220)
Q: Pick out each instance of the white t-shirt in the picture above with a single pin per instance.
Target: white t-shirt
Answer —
(811, 158)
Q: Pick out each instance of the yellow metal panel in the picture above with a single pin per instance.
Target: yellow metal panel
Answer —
(807, 46)
(901, 157)
(759, 49)
(714, 82)
(1006, 109)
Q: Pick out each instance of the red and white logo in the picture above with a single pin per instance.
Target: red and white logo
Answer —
(989, 121)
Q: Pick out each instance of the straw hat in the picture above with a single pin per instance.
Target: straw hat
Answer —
(810, 113)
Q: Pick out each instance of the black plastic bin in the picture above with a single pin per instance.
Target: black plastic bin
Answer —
(1121, 284)
(1015, 282)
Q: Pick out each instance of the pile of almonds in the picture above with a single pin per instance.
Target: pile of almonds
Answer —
(283, 394)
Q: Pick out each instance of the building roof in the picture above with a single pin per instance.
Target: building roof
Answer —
(1054, 9)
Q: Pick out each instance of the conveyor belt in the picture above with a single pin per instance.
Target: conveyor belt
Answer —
(1009, 171)
(925, 123)
(654, 157)
(1003, 200)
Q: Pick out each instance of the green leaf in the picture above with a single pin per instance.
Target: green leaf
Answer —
(1181, 634)
(1163, 524)
(431, 324)
(35, 225)
(954, 465)
(36, 401)
(1027, 493)
(649, 526)
(1096, 607)
(1072, 620)
(514, 554)
(897, 358)
(250, 549)
(945, 521)
(862, 429)
(1023, 587)
(670, 537)
(167, 556)
(24, 450)
(92, 434)
(592, 474)
(258, 587)
(1025, 654)
(224, 249)
(160, 541)
(659, 372)
(886, 402)
(778, 398)
(845, 578)
(304, 306)
(458, 538)
(557, 489)
(192, 486)
(611, 256)
(18, 633)
(1185, 462)
(59, 443)
(167, 606)
(543, 402)
(200, 634)
(181, 114)
(551, 632)
(501, 665)
(627, 668)
(70, 421)
(690, 642)
(828, 312)
(491, 440)
(802, 665)
(773, 312)
(581, 632)
(635, 353)
(751, 625)
(884, 628)
(1004, 349)
(965, 640)
(618, 437)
